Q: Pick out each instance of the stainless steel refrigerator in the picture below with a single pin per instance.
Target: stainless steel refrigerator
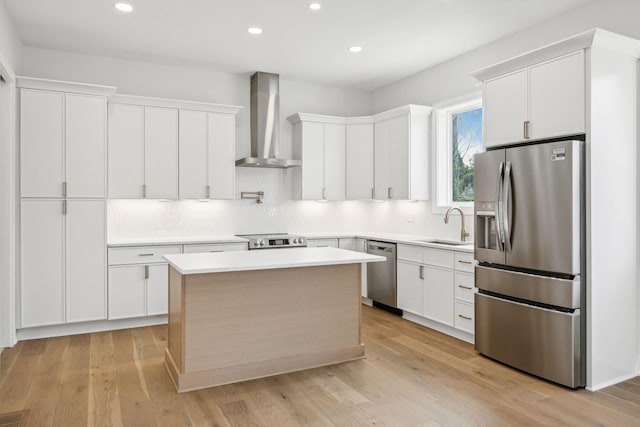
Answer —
(529, 240)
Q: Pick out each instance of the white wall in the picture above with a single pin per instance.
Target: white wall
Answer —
(9, 61)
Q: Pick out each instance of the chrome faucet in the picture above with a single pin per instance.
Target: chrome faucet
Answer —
(463, 232)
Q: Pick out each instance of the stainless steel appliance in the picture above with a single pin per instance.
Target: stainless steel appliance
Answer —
(271, 241)
(529, 226)
(381, 276)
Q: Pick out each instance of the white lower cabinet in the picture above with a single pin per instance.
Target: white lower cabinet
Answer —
(435, 287)
(139, 280)
(323, 243)
(438, 294)
(410, 294)
(63, 262)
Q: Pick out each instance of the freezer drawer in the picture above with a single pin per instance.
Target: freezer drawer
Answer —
(531, 287)
(542, 342)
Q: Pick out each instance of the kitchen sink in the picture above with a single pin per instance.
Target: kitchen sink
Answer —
(446, 242)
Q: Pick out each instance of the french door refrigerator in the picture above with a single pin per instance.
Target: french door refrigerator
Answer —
(529, 226)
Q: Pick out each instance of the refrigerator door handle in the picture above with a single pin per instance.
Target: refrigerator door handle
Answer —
(500, 238)
(507, 192)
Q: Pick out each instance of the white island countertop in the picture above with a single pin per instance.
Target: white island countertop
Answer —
(218, 262)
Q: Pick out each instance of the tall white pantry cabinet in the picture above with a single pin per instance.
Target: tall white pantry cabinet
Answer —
(63, 145)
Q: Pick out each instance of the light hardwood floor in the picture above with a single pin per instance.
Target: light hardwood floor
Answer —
(412, 376)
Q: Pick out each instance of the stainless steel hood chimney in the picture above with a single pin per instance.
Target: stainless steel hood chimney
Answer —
(265, 124)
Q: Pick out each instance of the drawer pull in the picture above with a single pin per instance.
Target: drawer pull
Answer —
(464, 317)
(146, 254)
(215, 251)
(464, 287)
(464, 262)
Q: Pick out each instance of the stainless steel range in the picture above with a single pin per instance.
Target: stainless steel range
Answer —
(274, 241)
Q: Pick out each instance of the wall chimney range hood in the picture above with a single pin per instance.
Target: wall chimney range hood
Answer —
(265, 124)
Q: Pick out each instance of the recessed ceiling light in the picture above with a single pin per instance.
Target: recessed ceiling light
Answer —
(255, 30)
(355, 49)
(124, 7)
(315, 6)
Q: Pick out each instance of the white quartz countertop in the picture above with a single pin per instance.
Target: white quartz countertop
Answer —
(177, 240)
(200, 263)
(407, 239)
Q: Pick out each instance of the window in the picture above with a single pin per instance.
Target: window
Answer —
(458, 138)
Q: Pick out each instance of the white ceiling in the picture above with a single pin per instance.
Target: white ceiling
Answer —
(399, 37)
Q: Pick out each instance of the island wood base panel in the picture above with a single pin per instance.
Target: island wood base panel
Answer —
(235, 326)
(252, 371)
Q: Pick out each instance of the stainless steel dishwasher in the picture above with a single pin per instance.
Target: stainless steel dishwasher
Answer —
(381, 276)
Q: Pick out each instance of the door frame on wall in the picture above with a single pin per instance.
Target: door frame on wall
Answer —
(8, 196)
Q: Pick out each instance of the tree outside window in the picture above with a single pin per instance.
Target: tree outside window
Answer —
(466, 140)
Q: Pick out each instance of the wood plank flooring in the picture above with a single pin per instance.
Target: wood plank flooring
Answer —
(412, 376)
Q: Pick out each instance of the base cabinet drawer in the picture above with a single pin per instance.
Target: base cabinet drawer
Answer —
(323, 243)
(215, 247)
(464, 283)
(464, 317)
(141, 254)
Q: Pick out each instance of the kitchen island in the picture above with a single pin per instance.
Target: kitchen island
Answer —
(235, 316)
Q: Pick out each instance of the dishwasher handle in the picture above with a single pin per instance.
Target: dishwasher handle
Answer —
(380, 247)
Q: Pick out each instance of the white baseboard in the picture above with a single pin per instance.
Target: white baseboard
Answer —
(1, 359)
(445, 329)
(610, 382)
(88, 327)
(367, 301)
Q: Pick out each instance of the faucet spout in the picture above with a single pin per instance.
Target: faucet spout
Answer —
(463, 233)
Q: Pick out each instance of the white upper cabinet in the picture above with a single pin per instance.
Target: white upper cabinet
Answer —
(126, 151)
(505, 108)
(557, 97)
(207, 155)
(168, 149)
(41, 143)
(401, 153)
(143, 152)
(319, 141)
(359, 161)
(161, 153)
(62, 142)
(193, 137)
(545, 100)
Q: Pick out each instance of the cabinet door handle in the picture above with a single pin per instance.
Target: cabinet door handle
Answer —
(526, 129)
(389, 193)
(144, 191)
(464, 287)
(324, 194)
(208, 191)
(146, 271)
(64, 207)
(464, 317)
(373, 193)
(145, 254)
(421, 272)
(64, 189)
(464, 262)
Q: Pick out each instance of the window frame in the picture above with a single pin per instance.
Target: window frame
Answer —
(443, 156)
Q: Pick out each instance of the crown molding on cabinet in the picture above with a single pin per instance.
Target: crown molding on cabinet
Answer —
(319, 118)
(385, 115)
(175, 103)
(594, 38)
(403, 111)
(63, 86)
